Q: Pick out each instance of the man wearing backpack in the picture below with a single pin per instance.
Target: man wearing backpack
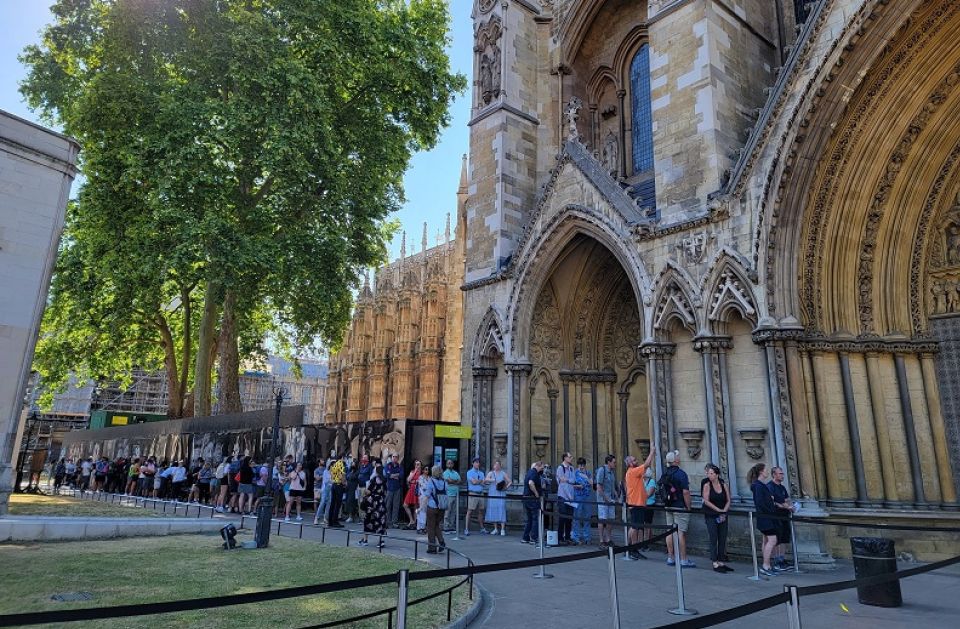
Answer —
(674, 489)
(437, 504)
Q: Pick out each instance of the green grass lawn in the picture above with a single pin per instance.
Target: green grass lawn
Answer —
(64, 507)
(127, 571)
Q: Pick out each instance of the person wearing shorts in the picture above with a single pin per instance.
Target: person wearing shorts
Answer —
(605, 478)
(678, 499)
(476, 480)
(298, 486)
(636, 497)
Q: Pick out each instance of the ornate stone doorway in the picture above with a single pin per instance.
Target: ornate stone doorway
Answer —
(586, 392)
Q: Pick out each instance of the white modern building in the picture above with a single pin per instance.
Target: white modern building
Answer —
(37, 168)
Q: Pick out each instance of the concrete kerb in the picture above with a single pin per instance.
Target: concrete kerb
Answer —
(480, 602)
(54, 529)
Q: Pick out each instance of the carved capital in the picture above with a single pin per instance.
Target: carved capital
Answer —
(518, 367)
(656, 350)
(484, 372)
(693, 437)
(754, 438)
(712, 343)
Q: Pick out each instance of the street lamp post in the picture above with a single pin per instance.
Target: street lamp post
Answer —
(265, 510)
(31, 422)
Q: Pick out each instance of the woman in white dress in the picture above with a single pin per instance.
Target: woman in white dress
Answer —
(496, 513)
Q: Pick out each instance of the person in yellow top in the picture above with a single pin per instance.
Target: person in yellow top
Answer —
(636, 497)
(338, 479)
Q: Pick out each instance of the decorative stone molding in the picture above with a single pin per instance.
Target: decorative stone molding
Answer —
(518, 367)
(693, 247)
(643, 445)
(656, 350)
(867, 345)
(731, 291)
(500, 444)
(649, 231)
(540, 443)
(754, 438)
(693, 437)
(484, 372)
(486, 5)
(712, 343)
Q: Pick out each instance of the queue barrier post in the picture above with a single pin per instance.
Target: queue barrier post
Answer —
(456, 506)
(681, 609)
(793, 545)
(614, 597)
(626, 531)
(793, 607)
(753, 548)
(540, 574)
(402, 599)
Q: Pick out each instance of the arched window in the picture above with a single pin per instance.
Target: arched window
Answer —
(642, 120)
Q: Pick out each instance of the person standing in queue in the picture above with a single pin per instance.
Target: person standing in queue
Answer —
(636, 497)
(476, 481)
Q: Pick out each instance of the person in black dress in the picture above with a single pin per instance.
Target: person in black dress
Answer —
(375, 506)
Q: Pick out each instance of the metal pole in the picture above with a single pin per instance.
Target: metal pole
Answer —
(793, 607)
(456, 506)
(540, 574)
(793, 545)
(402, 600)
(681, 609)
(753, 549)
(614, 599)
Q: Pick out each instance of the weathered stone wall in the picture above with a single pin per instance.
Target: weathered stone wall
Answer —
(36, 172)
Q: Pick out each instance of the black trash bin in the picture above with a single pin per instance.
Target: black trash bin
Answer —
(873, 556)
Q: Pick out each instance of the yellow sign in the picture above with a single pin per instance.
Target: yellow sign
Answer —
(453, 431)
(119, 420)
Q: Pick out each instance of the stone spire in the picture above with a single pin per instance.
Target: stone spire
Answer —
(423, 242)
(464, 182)
(446, 231)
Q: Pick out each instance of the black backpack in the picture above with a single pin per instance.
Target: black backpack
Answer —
(667, 491)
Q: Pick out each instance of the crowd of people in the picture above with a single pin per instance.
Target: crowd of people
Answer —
(383, 495)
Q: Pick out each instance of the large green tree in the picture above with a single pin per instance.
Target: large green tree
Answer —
(241, 159)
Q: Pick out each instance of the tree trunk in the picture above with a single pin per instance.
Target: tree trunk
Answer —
(229, 371)
(186, 344)
(174, 397)
(202, 376)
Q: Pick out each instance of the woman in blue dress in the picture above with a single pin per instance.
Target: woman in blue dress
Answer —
(583, 497)
(496, 513)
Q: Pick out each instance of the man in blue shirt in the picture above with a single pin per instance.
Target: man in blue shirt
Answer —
(476, 480)
(394, 489)
(532, 490)
(452, 477)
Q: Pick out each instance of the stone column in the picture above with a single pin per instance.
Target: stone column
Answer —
(882, 429)
(518, 373)
(913, 453)
(834, 439)
(712, 352)
(854, 431)
(483, 412)
(565, 379)
(657, 357)
(938, 428)
(553, 394)
(780, 406)
(621, 95)
(624, 432)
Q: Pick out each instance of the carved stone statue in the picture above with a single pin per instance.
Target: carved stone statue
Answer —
(610, 155)
(953, 244)
(572, 112)
(488, 49)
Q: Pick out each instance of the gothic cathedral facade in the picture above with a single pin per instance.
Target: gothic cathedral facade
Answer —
(726, 227)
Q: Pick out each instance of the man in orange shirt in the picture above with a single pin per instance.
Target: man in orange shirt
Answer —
(636, 497)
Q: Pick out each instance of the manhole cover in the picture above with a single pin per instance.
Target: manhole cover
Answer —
(70, 597)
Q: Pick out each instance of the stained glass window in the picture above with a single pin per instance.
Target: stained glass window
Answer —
(642, 121)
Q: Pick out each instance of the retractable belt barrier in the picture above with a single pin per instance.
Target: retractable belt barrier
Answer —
(790, 596)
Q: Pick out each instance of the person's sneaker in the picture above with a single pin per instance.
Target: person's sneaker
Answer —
(286, 519)
(349, 520)
(633, 555)
(781, 568)
(299, 518)
(381, 545)
(687, 563)
(362, 542)
(670, 561)
(767, 573)
(466, 533)
(503, 532)
(524, 541)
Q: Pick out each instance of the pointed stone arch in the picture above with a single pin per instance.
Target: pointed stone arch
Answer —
(727, 289)
(677, 302)
(489, 342)
(541, 248)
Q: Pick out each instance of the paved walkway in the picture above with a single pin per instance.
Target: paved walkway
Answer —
(579, 595)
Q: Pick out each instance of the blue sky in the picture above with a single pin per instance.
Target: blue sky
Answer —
(431, 183)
